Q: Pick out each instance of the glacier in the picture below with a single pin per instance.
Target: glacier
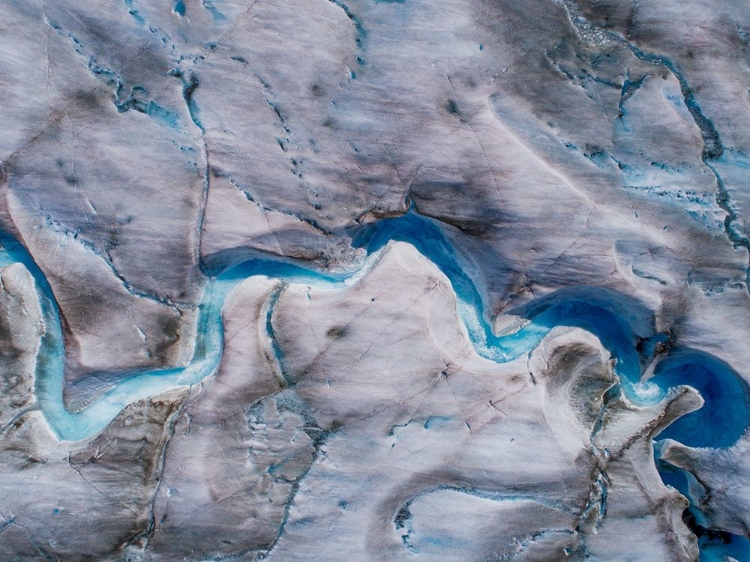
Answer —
(374, 280)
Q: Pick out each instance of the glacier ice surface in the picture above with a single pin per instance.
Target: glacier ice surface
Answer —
(374, 280)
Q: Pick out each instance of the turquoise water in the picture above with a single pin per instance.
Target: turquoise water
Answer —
(722, 420)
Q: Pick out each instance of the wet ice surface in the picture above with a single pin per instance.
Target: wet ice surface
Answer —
(374, 280)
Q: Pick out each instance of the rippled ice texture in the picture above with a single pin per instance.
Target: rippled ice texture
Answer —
(374, 280)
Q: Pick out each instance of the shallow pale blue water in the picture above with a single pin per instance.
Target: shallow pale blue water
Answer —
(722, 420)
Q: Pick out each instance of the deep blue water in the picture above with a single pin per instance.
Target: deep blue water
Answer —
(722, 420)
(724, 417)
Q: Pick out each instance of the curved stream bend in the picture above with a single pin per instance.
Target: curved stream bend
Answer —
(715, 425)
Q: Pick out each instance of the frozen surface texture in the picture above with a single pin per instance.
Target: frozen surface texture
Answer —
(374, 280)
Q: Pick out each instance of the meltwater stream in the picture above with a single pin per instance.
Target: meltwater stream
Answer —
(722, 420)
